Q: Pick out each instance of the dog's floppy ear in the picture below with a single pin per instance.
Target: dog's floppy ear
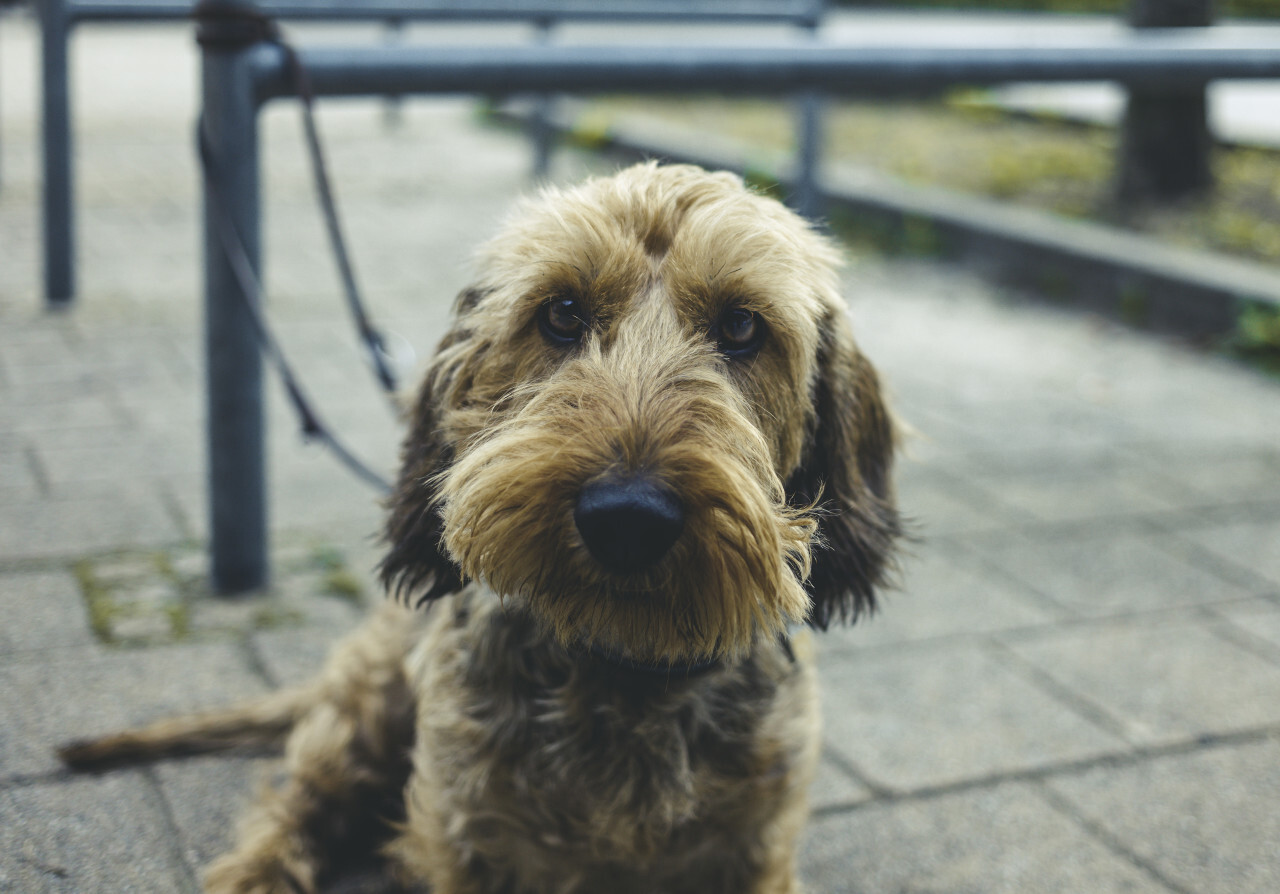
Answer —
(846, 469)
(416, 564)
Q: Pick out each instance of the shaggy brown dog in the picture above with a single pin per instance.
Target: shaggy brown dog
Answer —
(646, 446)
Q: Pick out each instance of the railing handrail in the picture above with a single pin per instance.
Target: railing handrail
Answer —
(800, 12)
(776, 67)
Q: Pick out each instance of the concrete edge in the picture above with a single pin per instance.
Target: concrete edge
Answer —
(1139, 280)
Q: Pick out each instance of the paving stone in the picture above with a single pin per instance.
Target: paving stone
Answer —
(1020, 432)
(1004, 840)
(1223, 475)
(944, 595)
(295, 655)
(72, 465)
(1259, 619)
(35, 350)
(932, 506)
(66, 695)
(1206, 820)
(1106, 571)
(17, 476)
(911, 719)
(833, 786)
(1161, 679)
(132, 517)
(41, 610)
(1073, 492)
(88, 835)
(207, 795)
(1253, 545)
(66, 420)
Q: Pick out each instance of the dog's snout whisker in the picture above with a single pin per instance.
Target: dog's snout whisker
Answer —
(628, 524)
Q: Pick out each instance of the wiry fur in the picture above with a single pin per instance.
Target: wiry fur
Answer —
(547, 753)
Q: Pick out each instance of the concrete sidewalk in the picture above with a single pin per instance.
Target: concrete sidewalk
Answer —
(1077, 688)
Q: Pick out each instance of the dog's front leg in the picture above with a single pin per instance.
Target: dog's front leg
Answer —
(346, 763)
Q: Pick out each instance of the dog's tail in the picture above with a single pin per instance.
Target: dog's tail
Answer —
(259, 723)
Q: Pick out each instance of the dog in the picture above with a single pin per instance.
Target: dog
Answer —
(646, 452)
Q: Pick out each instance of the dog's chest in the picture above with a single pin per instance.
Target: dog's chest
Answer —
(561, 760)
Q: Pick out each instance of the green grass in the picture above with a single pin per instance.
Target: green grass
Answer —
(965, 144)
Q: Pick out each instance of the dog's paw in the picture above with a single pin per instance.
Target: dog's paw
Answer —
(234, 874)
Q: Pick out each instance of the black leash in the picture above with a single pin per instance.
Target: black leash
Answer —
(373, 340)
(220, 24)
(250, 293)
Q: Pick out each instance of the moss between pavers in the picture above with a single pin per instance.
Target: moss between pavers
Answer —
(148, 598)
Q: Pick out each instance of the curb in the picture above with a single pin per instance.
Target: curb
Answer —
(1141, 281)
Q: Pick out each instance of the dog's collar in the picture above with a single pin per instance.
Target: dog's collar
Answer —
(676, 670)
(670, 671)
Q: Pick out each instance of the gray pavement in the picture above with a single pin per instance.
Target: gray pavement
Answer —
(1077, 687)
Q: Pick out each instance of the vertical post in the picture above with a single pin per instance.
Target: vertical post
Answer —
(59, 222)
(1165, 143)
(237, 479)
(393, 103)
(1, 115)
(806, 195)
(541, 128)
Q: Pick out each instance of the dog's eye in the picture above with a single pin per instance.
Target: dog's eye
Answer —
(563, 320)
(738, 332)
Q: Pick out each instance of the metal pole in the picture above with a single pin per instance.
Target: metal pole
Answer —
(806, 197)
(59, 221)
(1166, 146)
(393, 103)
(236, 430)
(541, 125)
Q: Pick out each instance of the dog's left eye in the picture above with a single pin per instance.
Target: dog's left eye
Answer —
(563, 320)
(738, 332)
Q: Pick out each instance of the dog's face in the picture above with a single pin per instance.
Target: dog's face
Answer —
(650, 424)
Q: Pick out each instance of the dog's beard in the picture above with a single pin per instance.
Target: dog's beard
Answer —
(735, 574)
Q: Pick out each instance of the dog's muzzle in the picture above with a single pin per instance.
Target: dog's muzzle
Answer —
(628, 524)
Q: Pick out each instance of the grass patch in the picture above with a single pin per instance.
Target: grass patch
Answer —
(99, 605)
(965, 144)
(1257, 336)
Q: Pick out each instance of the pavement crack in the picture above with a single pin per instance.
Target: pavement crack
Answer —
(1048, 684)
(1110, 761)
(854, 772)
(37, 469)
(42, 866)
(190, 881)
(1104, 837)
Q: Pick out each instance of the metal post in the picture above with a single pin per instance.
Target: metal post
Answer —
(393, 103)
(237, 479)
(541, 126)
(806, 195)
(1, 115)
(59, 222)
(1166, 146)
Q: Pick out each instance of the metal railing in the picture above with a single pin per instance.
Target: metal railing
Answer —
(239, 79)
(58, 17)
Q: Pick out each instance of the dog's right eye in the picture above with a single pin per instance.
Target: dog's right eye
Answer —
(563, 321)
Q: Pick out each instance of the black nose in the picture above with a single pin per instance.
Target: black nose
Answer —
(628, 524)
